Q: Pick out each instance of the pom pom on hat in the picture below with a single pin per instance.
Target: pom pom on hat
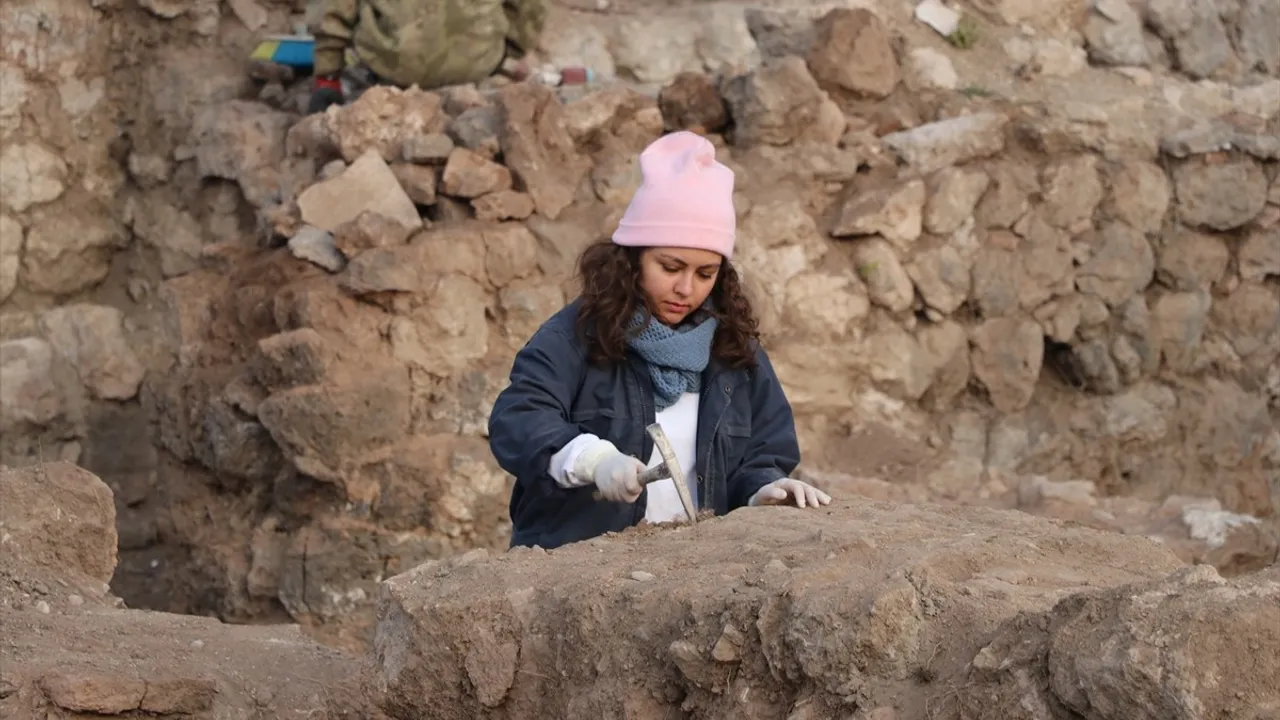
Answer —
(685, 199)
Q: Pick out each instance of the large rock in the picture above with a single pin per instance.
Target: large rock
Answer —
(1112, 654)
(800, 612)
(242, 141)
(448, 333)
(478, 129)
(70, 251)
(1008, 353)
(1140, 193)
(1189, 260)
(1178, 322)
(1219, 195)
(953, 195)
(537, 147)
(943, 276)
(710, 37)
(174, 233)
(888, 284)
(30, 175)
(853, 50)
(1259, 44)
(949, 142)
(57, 516)
(1194, 30)
(468, 175)
(329, 431)
(384, 119)
(1259, 255)
(780, 103)
(1071, 189)
(367, 185)
(692, 102)
(31, 392)
(1045, 14)
(894, 212)
(1250, 319)
(1113, 32)
(92, 339)
(1122, 264)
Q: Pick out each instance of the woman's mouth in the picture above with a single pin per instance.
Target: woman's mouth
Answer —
(675, 307)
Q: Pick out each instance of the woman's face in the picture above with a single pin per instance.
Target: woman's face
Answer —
(676, 281)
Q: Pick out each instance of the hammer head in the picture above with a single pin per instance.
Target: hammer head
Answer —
(670, 467)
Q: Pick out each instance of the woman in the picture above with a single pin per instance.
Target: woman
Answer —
(661, 332)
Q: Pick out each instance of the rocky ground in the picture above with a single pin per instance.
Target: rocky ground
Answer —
(70, 649)
(865, 609)
(1033, 265)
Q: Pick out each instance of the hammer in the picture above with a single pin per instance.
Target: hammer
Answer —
(668, 468)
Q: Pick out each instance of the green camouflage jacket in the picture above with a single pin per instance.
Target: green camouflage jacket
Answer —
(432, 43)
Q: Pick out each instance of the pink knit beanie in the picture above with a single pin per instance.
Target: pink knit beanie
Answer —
(685, 199)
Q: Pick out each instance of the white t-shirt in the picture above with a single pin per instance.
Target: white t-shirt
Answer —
(680, 423)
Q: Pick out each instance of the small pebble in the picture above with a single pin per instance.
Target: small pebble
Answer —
(75, 600)
(643, 576)
(43, 607)
(197, 644)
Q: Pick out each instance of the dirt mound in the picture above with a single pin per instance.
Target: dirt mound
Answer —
(68, 650)
(139, 663)
(1032, 264)
(758, 614)
(1190, 646)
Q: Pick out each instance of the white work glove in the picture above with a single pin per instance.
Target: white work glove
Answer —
(789, 492)
(616, 476)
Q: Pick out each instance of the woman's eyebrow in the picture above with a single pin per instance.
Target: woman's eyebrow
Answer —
(681, 263)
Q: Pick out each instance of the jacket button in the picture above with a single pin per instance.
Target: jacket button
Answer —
(728, 390)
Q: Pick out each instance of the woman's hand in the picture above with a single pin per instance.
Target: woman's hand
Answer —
(618, 478)
(789, 492)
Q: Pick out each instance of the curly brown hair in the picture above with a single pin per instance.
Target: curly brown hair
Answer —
(609, 275)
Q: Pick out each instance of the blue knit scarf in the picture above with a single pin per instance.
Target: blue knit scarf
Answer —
(676, 356)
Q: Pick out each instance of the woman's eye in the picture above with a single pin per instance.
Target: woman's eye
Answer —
(704, 276)
(670, 269)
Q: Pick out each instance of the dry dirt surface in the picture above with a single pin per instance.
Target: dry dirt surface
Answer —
(1189, 646)
(766, 613)
(858, 611)
(68, 651)
(1039, 271)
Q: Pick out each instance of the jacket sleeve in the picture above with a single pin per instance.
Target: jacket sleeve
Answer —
(773, 451)
(525, 20)
(530, 419)
(333, 35)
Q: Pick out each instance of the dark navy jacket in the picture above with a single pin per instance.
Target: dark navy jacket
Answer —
(746, 433)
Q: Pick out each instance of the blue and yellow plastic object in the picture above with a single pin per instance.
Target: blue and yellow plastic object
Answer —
(293, 50)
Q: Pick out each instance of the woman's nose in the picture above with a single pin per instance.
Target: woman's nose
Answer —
(684, 285)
